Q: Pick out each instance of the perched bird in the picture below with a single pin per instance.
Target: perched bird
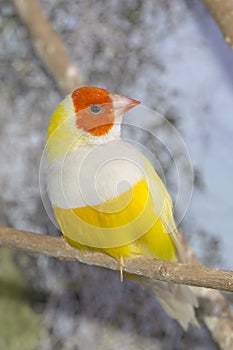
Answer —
(107, 196)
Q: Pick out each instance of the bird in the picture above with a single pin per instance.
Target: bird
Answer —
(106, 195)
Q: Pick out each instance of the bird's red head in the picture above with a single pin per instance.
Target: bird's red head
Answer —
(96, 109)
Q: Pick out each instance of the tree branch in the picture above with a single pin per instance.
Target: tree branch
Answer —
(213, 309)
(222, 11)
(193, 275)
(49, 46)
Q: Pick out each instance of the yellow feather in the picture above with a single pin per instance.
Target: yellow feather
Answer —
(122, 227)
(62, 132)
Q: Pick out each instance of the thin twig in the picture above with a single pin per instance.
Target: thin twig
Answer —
(222, 11)
(49, 46)
(193, 275)
(213, 310)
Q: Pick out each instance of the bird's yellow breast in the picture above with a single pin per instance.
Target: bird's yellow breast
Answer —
(121, 227)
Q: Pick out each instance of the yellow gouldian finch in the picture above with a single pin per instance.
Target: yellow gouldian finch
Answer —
(107, 196)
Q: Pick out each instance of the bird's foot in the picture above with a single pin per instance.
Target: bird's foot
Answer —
(121, 267)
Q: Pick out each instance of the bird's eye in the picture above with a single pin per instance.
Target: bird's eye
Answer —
(95, 109)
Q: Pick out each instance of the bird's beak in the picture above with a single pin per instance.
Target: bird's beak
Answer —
(122, 104)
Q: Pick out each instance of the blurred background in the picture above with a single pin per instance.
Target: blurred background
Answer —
(172, 57)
